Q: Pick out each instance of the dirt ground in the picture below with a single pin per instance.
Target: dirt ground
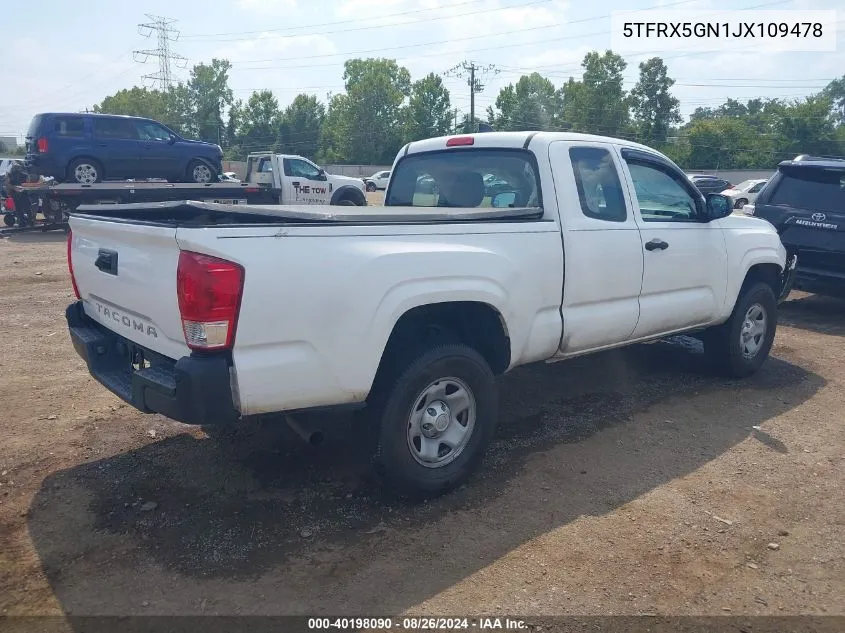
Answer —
(625, 483)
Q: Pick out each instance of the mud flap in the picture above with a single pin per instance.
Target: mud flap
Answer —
(788, 276)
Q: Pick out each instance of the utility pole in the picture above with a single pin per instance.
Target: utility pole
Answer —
(165, 35)
(471, 70)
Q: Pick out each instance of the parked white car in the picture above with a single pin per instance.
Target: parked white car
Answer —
(745, 192)
(209, 314)
(378, 180)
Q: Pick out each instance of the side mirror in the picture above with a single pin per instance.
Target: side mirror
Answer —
(504, 199)
(171, 139)
(718, 206)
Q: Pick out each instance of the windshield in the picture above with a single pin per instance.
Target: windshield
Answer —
(466, 178)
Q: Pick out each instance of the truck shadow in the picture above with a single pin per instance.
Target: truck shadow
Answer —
(305, 531)
(825, 315)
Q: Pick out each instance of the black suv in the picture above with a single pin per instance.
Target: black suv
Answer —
(805, 201)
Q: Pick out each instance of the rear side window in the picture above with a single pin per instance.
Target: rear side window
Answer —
(599, 188)
(68, 126)
(466, 178)
(815, 189)
(115, 129)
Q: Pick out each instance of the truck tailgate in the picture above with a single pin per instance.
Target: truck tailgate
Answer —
(126, 276)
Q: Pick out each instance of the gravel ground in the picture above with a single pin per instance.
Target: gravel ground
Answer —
(624, 483)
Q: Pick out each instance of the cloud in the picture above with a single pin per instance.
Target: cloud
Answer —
(265, 47)
(265, 6)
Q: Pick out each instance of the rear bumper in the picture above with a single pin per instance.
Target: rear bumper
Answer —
(192, 390)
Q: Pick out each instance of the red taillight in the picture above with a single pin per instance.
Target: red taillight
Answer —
(70, 264)
(460, 140)
(42, 145)
(209, 291)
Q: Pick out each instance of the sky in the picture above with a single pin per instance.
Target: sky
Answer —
(71, 56)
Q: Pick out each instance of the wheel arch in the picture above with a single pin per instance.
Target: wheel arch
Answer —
(476, 323)
(348, 192)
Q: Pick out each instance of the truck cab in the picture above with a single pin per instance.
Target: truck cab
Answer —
(300, 181)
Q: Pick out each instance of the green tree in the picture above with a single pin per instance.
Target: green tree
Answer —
(532, 104)
(136, 101)
(597, 104)
(260, 122)
(372, 111)
(654, 107)
(335, 138)
(429, 111)
(302, 125)
(208, 94)
(835, 90)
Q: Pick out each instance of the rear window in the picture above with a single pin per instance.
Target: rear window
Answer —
(466, 178)
(816, 189)
(34, 125)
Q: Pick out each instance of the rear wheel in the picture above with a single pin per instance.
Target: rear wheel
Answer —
(85, 171)
(741, 345)
(346, 202)
(740, 203)
(371, 186)
(9, 219)
(434, 420)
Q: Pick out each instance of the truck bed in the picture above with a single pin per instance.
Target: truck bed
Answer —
(198, 213)
(145, 192)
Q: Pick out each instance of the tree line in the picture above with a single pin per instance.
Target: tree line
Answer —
(381, 109)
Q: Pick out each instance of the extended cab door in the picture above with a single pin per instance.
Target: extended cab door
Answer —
(603, 254)
(305, 183)
(686, 263)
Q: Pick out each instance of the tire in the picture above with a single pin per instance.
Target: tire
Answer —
(371, 186)
(84, 171)
(9, 219)
(346, 202)
(724, 344)
(740, 203)
(200, 172)
(405, 445)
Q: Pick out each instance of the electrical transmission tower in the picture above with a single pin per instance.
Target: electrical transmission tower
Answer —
(165, 35)
(473, 73)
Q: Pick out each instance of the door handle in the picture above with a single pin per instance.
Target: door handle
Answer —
(656, 244)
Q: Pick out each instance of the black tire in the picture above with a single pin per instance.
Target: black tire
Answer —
(371, 186)
(346, 202)
(740, 203)
(723, 344)
(9, 219)
(400, 472)
(197, 170)
(86, 166)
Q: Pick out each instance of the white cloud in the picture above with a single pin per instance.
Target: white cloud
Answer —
(265, 6)
(369, 8)
(269, 46)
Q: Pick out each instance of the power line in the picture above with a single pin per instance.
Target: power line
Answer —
(470, 70)
(165, 35)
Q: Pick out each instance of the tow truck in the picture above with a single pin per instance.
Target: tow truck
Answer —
(271, 179)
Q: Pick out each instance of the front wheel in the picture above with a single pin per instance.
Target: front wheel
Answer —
(741, 345)
(200, 173)
(740, 203)
(371, 186)
(435, 421)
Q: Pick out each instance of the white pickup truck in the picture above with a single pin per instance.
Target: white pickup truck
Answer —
(493, 250)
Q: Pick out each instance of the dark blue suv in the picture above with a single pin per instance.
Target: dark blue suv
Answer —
(87, 148)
